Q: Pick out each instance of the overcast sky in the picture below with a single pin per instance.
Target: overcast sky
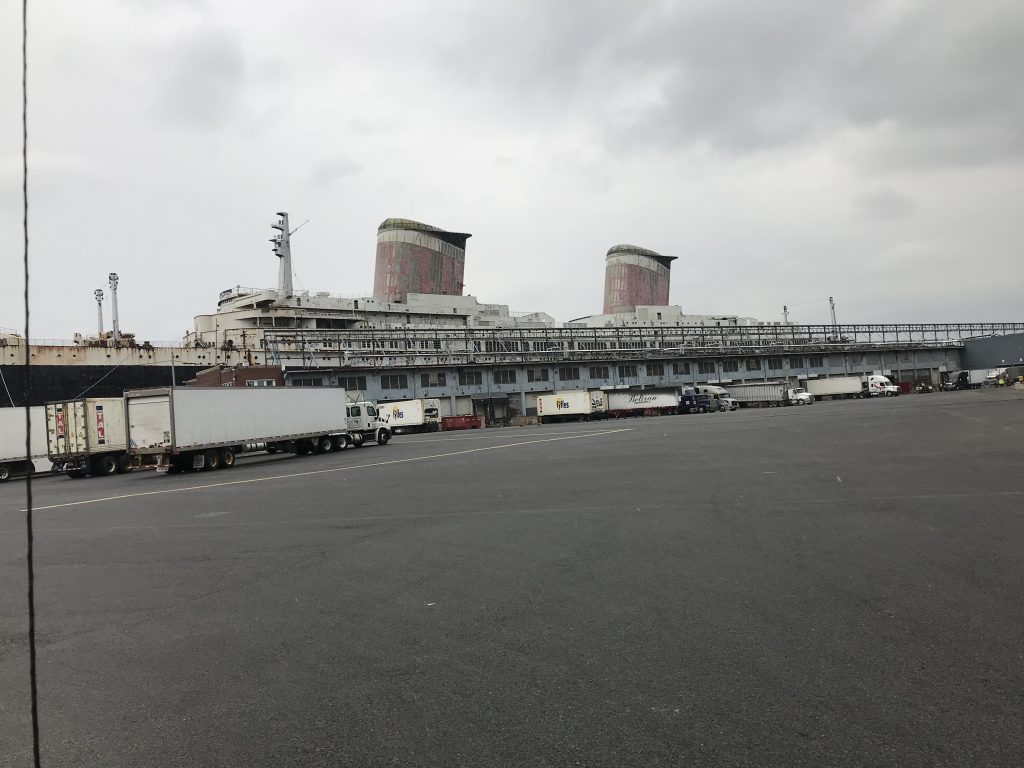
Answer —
(784, 151)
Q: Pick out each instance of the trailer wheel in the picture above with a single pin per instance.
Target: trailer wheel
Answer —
(104, 465)
(227, 458)
(124, 463)
(5, 473)
(324, 444)
(383, 436)
(211, 460)
(76, 474)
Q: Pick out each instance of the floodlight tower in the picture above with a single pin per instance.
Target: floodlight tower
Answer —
(112, 278)
(98, 293)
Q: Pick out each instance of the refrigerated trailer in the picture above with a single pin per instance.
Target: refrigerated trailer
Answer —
(12, 443)
(835, 387)
(769, 394)
(86, 436)
(648, 402)
(572, 405)
(207, 427)
(423, 415)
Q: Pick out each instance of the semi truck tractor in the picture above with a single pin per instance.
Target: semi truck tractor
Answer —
(573, 405)
(770, 394)
(12, 443)
(835, 388)
(205, 428)
(693, 401)
(365, 425)
(423, 415)
(875, 385)
(87, 436)
(720, 397)
(648, 402)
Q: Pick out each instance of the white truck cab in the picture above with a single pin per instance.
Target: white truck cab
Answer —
(880, 386)
(365, 424)
(799, 396)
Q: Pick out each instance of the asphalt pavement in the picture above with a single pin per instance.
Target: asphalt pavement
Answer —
(833, 585)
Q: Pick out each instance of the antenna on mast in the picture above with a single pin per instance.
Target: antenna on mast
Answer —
(283, 250)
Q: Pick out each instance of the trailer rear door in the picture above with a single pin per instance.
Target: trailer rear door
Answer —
(66, 429)
(149, 421)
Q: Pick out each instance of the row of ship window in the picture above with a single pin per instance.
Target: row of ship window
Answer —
(568, 373)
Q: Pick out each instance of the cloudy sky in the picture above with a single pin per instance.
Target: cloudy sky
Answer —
(784, 151)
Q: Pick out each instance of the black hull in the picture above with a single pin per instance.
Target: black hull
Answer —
(66, 382)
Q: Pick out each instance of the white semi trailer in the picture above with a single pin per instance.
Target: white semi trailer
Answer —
(12, 443)
(423, 415)
(572, 405)
(642, 402)
(769, 394)
(87, 437)
(207, 427)
(835, 387)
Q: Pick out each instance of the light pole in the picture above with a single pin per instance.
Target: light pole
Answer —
(112, 278)
(98, 293)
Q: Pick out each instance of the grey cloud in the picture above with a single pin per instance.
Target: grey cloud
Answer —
(203, 78)
(743, 78)
(885, 204)
(326, 172)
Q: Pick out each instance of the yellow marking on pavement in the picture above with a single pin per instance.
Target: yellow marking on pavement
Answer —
(325, 471)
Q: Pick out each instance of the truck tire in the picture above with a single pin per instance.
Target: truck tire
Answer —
(211, 460)
(5, 473)
(104, 465)
(340, 442)
(324, 445)
(227, 458)
(383, 436)
(124, 463)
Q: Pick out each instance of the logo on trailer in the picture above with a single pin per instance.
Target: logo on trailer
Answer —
(59, 417)
(101, 427)
(635, 399)
(560, 403)
(397, 413)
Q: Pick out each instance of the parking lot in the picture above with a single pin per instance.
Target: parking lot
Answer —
(833, 585)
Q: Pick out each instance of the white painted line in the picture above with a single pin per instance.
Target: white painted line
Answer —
(325, 471)
(416, 439)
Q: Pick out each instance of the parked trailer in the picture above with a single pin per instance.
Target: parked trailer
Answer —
(207, 427)
(572, 405)
(423, 415)
(12, 443)
(770, 394)
(648, 402)
(836, 387)
(87, 436)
